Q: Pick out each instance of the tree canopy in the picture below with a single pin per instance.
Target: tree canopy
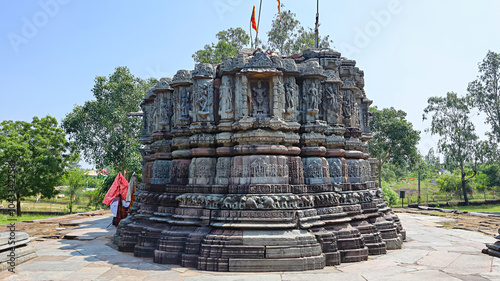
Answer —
(394, 139)
(288, 37)
(484, 92)
(101, 129)
(230, 42)
(33, 157)
(458, 140)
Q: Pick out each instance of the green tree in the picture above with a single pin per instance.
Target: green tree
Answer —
(76, 182)
(394, 139)
(288, 37)
(432, 160)
(492, 171)
(458, 140)
(484, 93)
(390, 195)
(481, 181)
(236, 37)
(449, 182)
(33, 157)
(101, 129)
(230, 42)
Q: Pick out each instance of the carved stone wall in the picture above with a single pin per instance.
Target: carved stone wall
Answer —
(259, 164)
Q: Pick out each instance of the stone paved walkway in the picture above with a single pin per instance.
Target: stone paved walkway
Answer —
(431, 253)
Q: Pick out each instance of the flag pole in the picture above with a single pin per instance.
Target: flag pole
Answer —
(316, 29)
(251, 40)
(258, 24)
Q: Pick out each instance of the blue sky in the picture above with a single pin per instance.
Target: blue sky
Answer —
(51, 50)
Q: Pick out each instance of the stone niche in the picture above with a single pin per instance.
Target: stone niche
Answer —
(259, 164)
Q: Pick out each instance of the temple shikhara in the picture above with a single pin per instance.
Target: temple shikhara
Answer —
(260, 163)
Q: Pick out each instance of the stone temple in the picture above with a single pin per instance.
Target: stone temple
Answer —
(259, 163)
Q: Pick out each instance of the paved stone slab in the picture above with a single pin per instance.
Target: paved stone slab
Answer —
(408, 256)
(123, 273)
(38, 275)
(51, 266)
(164, 275)
(421, 259)
(322, 277)
(470, 264)
(420, 275)
(87, 273)
(438, 259)
(253, 277)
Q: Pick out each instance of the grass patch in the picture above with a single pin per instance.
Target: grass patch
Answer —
(481, 208)
(6, 219)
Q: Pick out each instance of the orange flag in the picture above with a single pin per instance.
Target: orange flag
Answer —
(279, 8)
(252, 19)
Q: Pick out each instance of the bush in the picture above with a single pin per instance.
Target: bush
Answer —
(390, 195)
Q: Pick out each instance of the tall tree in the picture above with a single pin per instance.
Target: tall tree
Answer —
(33, 157)
(432, 160)
(101, 129)
(230, 42)
(394, 139)
(458, 140)
(288, 37)
(484, 93)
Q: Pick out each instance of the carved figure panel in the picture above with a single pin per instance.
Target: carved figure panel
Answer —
(202, 171)
(165, 111)
(350, 110)
(226, 99)
(161, 172)
(245, 202)
(259, 169)
(260, 98)
(316, 170)
(296, 170)
(291, 98)
(354, 171)
(335, 165)
(184, 104)
(204, 100)
(312, 97)
(223, 170)
(332, 104)
(180, 171)
(146, 118)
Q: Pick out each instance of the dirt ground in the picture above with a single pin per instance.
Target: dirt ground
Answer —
(489, 225)
(52, 227)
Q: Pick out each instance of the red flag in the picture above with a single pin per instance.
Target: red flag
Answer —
(252, 19)
(279, 8)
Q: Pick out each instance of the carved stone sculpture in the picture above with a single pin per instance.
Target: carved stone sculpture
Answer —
(259, 164)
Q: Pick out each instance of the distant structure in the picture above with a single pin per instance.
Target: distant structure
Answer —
(259, 164)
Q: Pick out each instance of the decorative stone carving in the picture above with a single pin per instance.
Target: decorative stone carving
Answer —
(335, 165)
(260, 98)
(290, 97)
(182, 77)
(313, 98)
(316, 170)
(203, 70)
(204, 100)
(272, 149)
(161, 172)
(226, 99)
(259, 60)
(332, 104)
(185, 104)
